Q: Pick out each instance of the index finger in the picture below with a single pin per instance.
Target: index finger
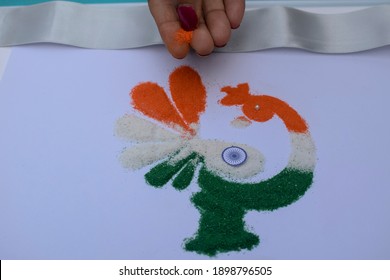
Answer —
(166, 18)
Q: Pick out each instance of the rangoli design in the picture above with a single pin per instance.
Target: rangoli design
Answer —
(166, 135)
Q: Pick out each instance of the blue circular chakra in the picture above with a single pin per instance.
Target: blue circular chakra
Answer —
(234, 156)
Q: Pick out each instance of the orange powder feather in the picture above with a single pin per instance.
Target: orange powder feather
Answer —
(151, 99)
(188, 93)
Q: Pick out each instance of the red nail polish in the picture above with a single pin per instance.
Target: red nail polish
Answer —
(187, 17)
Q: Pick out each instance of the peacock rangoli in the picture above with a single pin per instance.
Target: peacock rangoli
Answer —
(166, 136)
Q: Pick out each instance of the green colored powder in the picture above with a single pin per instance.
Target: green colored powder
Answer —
(162, 173)
(185, 176)
(221, 227)
(279, 191)
(223, 204)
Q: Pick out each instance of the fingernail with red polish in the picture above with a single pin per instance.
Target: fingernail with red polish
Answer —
(187, 17)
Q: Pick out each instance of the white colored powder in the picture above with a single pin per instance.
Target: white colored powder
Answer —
(212, 151)
(303, 152)
(133, 128)
(142, 155)
(240, 123)
(162, 143)
(182, 154)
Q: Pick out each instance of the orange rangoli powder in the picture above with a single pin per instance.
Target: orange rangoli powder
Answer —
(188, 94)
(183, 37)
(262, 108)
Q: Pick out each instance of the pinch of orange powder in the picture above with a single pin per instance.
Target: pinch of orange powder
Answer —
(183, 37)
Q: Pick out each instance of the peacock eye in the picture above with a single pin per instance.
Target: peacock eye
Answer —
(234, 156)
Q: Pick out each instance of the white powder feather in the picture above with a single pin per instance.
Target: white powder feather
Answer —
(136, 129)
(142, 155)
(303, 152)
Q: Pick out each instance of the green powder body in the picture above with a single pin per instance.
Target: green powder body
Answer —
(223, 204)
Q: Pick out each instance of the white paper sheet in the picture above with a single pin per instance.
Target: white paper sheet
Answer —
(65, 195)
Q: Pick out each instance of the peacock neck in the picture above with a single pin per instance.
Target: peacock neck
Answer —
(292, 120)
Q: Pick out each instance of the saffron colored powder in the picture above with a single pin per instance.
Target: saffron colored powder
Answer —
(183, 37)
(188, 94)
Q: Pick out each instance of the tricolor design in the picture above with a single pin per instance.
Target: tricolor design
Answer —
(170, 139)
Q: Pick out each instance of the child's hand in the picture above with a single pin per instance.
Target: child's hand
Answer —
(212, 23)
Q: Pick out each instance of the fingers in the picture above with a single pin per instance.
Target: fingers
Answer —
(202, 42)
(213, 28)
(235, 12)
(217, 21)
(166, 18)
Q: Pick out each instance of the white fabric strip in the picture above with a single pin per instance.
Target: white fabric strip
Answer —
(4, 55)
(327, 33)
(115, 26)
(121, 26)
